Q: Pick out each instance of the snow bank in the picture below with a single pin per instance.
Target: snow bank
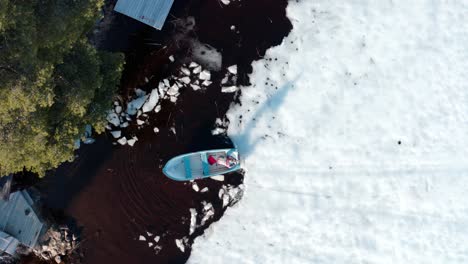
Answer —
(357, 149)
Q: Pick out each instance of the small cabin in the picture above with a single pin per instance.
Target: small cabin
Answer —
(19, 223)
(150, 12)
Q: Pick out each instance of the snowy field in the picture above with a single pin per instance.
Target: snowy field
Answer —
(355, 140)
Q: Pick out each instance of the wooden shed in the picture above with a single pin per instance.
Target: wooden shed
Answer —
(19, 222)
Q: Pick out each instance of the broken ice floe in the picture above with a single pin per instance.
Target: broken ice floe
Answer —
(205, 75)
(113, 118)
(116, 134)
(204, 190)
(195, 187)
(231, 195)
(232, 69)
(193, 76)
(229, 89)
(208, 212)
(193, 220)
(134, 105)
(181, 243)
(154, 242)
(218, 177)
(152, 101)
(229, 82)
(132, 141)
(220, 126)
(122, 141)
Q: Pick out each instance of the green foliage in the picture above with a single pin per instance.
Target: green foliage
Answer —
(52, 81)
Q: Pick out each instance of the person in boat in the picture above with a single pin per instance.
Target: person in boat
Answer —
(228, 161)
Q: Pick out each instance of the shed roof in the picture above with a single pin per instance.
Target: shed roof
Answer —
(8, 244)
(18, 219)
(150, 12)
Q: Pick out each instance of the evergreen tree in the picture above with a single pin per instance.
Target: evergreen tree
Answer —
(52, 81)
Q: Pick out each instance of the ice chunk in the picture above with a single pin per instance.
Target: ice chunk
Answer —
(171, 58)
(156, 239)
(204, 190)
(142, 238)
(197, 70)
(195, 187)
(173, 90)
(226, 2)
(180, 244)
(229, 89)
(136, 104)
(124, 124)
(152, 101)
(122, 141)
(185, 71)
(218, 178)
(193, 220)
(132, 141)
(116, 134)
(157, 109)
(218, 131)
(225, 200)
(225, 79)
(140, 122)
(139, 92)
(150, 244)
(207, 83)
(193, 65)
(156, 130)
(195, 87)
(232, 69)
(113, 118)
(185, 80)
(205, 75)
(118, 109)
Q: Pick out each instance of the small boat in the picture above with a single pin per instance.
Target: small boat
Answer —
(202, 164)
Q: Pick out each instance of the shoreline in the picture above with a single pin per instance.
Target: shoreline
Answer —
(116, 193)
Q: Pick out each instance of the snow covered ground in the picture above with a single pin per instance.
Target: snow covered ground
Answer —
(355, 140)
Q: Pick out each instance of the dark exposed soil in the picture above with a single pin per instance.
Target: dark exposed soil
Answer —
(116, 193)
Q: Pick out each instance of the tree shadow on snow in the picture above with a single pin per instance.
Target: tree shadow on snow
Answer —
(245, 142)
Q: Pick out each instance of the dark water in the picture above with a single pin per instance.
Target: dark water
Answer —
(116, 193)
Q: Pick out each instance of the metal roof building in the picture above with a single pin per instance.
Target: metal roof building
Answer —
(150, 12)
(18, 222)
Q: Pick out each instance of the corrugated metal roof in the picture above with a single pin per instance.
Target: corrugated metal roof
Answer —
(18, 219)
(150, 12)
(8, 244)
